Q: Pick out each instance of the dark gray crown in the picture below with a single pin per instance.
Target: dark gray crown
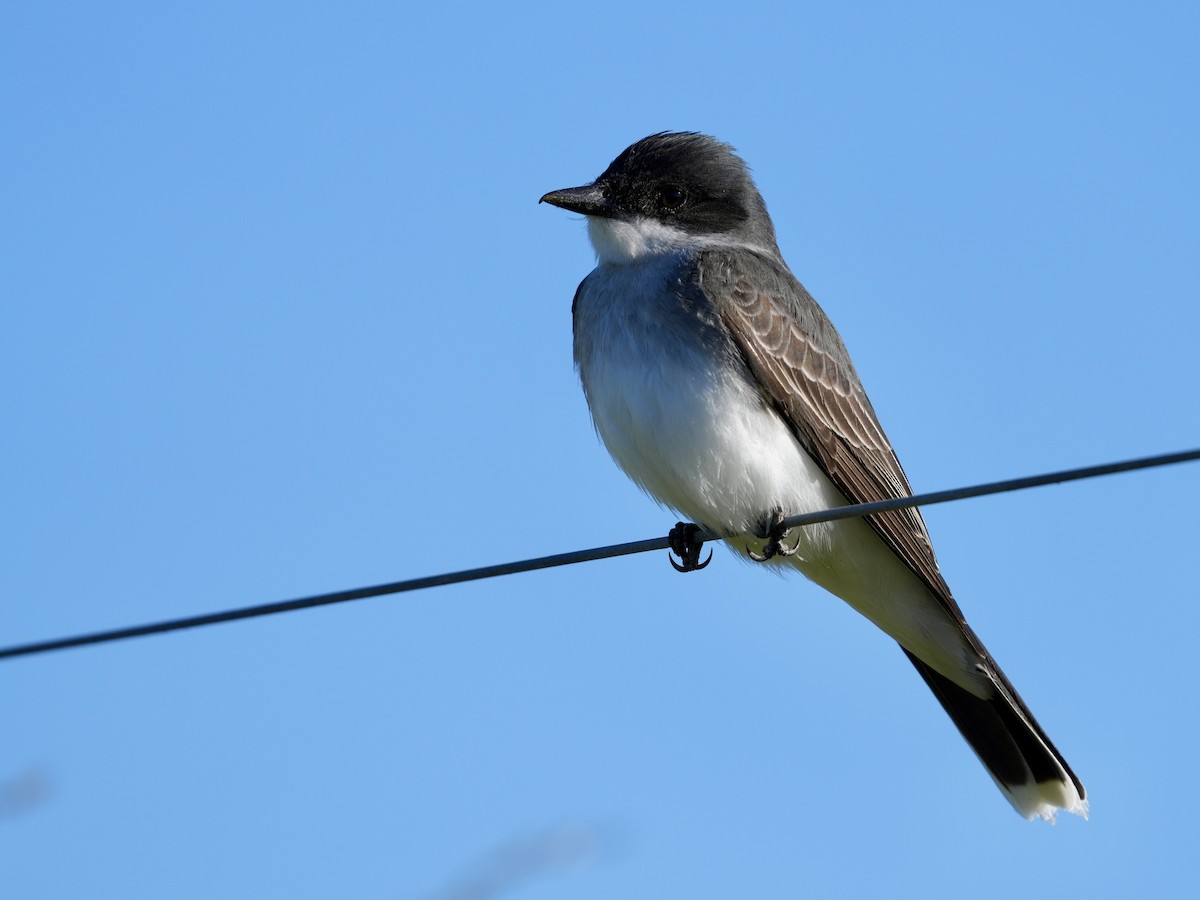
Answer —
(692, 181)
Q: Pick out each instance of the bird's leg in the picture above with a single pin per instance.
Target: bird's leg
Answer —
(686, 546)
(773, 531)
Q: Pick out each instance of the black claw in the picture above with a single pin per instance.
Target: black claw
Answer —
(788, 551)
(686, 567)
(774, 531)
(684, 544)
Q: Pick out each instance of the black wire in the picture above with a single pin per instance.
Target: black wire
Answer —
(578, 556)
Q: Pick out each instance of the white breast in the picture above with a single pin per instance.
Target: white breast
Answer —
(694, 434)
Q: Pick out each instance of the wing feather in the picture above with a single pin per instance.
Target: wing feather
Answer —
(796, 354)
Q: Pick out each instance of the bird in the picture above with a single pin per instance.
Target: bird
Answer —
(722, 389)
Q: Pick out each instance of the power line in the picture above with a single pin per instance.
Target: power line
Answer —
(578, 556)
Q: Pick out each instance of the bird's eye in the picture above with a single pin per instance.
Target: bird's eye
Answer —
(671, 197)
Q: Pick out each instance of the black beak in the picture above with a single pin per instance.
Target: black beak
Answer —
(589, 200)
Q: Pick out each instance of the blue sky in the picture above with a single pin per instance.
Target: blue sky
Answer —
(281, 315)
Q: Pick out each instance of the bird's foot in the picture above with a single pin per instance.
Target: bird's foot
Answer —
(772, 529)
(686, 546)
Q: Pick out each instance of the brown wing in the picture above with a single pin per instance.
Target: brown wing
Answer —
(794, 351)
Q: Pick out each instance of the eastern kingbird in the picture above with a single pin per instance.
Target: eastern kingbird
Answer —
(722, 389)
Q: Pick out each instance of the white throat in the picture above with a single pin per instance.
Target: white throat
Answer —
(628, 242)
(621, 243)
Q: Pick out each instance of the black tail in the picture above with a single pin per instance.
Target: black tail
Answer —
(1010, 743)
